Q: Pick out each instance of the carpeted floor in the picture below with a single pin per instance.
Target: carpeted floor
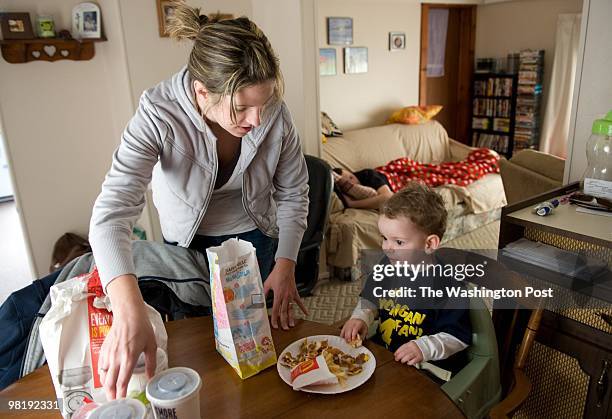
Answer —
(333, 300)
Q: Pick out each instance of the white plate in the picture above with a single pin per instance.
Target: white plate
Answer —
(337, 342)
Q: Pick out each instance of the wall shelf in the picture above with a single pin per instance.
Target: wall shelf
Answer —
(48, 49)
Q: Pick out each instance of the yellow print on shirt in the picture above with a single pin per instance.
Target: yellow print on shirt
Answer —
(406, 325)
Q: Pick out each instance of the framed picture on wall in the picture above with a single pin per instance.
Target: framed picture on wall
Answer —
(397, 41)
(340, 31)
(355, 60)
(327, 61)
(16, 26)
(165, 11)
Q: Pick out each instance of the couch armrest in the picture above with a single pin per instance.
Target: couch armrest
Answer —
(521, 183)
(459, 151)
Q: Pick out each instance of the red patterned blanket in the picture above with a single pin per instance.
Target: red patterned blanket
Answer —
(403, 170)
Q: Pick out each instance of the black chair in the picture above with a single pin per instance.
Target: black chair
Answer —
(321, 188)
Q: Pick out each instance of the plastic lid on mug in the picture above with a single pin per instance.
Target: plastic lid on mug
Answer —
(173, 384)
(161, 362)
(120, 409)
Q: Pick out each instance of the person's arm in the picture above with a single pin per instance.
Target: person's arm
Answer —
(291, 196)
(121, 200)
(117, 208)
(439, 346)
(356, 328)
(453, 329)
(130, 335)
(366, 311)
(382, 195)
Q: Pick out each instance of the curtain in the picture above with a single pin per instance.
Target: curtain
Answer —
(555, 128)
(436, 47)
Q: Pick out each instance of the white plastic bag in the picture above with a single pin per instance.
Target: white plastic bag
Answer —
(72, 333)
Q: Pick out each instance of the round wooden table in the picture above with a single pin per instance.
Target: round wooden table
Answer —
(394, 390)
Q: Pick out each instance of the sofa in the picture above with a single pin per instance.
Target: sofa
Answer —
(351, 230)
(529, 173)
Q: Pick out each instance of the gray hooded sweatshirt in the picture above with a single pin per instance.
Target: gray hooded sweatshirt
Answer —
(168, 144)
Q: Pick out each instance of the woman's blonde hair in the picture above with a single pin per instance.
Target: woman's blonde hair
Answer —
(227, 55)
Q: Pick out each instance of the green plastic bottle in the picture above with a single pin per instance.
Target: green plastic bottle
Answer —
(597, 179)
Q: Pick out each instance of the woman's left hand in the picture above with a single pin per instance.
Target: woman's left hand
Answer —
(282, 281)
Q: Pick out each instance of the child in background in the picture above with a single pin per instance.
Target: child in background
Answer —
(412, 222)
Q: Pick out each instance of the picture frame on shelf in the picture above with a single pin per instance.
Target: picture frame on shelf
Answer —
(355, 60)
(86, 21)
(340, 30)
(165, 12)
(327, 62)
(45, 27)
(397, 41)
(16, 26)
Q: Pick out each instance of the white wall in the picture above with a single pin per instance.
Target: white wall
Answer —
(152, 58)
(593, 88)
(292, 42)
(60, 121)
(507, 27)
(392, 81)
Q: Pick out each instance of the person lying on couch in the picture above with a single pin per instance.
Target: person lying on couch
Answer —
(365, 189)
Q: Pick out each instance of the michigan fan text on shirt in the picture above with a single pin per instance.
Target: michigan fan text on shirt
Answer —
(461, 292)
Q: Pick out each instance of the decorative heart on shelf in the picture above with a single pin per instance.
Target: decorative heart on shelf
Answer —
(50, 50)
(36, 54)
(64, 52)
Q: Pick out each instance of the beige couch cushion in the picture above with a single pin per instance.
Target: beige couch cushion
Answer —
(373, 147)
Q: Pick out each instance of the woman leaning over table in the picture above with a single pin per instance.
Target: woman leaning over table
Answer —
(227, 163)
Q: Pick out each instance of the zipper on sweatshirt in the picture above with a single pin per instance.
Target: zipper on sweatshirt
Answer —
(215, 161)
(247, 210)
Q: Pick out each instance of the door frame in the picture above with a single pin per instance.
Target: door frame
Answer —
(467, 44)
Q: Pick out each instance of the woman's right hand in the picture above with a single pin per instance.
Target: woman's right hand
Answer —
(130, 335)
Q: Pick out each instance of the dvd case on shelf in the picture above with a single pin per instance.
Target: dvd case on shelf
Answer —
(527, 115)
(493, 111)
(506, 107)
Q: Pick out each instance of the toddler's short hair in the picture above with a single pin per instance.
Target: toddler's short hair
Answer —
(421, 205)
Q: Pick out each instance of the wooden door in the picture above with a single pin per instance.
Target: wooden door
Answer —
(453, 90)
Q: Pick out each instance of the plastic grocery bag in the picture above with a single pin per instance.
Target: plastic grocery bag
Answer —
(242, 329)
(72, 333)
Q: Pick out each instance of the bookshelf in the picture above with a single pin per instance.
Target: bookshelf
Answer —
(493, 111)
(527, 125)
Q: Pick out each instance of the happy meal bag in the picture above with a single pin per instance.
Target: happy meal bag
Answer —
(242, 329)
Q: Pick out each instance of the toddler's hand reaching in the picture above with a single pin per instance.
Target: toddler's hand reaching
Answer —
(409, 353)
(353, 329)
